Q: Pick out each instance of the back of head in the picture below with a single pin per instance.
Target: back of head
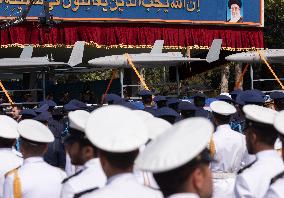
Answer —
(259, 124)
(178, 155)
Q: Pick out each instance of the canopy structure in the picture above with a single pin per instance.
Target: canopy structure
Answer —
(134, 35)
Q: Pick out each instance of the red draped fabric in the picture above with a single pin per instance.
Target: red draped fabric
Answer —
(133, 35)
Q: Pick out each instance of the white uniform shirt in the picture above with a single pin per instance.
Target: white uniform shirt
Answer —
(276, 190)
(37, 178)
(146, 178)
(230, 154)
(124, 186)
(254, 181)
(90, 177)
(8, 161)
(184, 195)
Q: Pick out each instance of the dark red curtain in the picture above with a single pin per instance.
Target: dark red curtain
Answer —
(133, 35)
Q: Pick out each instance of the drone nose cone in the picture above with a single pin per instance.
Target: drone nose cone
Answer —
(232, 58)
(99, 62)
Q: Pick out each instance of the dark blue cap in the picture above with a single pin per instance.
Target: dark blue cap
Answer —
(145, 93)
(129, 105)
(224, 98)
(236, 92)
(256, 91)
(276, 95)
(50, 103)
(160, 98)
(186, 106)
(29, 112)
(78, 103)
(250, 97)
(70, 107)
(172, 101)
(199, 95)
(166, 111)
(44, 116)
(42, 108)
(113, 98)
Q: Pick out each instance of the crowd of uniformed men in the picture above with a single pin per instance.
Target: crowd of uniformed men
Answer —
(223, 147)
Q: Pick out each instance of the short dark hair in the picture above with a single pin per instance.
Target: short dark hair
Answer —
(279, 103)
(266, 133)
(19, 107)
(221, 119)
(173, 181)
(187, 113)
(6, 143)
(33, 148)
(147, 99)
(120, 161)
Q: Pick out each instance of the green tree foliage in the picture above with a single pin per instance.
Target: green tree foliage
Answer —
(274, 23)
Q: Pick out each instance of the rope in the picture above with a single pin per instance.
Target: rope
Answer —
(109, 84)
(17, 187)
(241, 77)
(126, 55)
(270, 68)
(212, 147)
(6, 93)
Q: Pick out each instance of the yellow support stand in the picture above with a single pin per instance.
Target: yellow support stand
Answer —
(270, 68)
(6, 93)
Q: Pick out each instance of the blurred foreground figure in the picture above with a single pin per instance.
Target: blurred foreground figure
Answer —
(82, 153)
(9, 160)
(230, 150)
(35, 178)
(276, 189)
(180, 161)
(254, 179)
(118, 133)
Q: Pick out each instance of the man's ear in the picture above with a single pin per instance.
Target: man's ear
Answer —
(197, 178)
(253, 138)
(88, 152)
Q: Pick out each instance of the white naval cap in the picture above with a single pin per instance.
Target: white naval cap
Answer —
(226, 94)
(143, 114)
(260, 114)
(222, 108)
(78, 119)
(8, 127)
(116, 129)
(157, 126)
(279, 122)
(177, 146)
(35, 131)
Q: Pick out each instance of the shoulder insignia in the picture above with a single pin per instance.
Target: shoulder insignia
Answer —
(77, 195)
(246, 167)
(74, 175)
(12, 171)
(275, 178)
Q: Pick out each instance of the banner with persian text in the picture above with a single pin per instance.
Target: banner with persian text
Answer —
(223, 12)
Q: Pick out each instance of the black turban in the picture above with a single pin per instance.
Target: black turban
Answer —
(238, 2)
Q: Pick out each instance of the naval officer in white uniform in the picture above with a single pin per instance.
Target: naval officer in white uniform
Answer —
(156, 127)
(230, 150)
(118, 133)
(253, 181)
(276, 189)
(35, 178)
(9, 160)
(82, 153)
(179, 159)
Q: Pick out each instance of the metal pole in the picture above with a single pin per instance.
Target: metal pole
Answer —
(251, 75)
(43, 84)
(121, 81)
(177, 78)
